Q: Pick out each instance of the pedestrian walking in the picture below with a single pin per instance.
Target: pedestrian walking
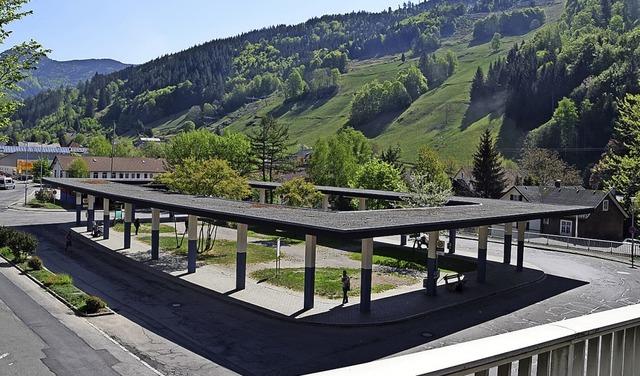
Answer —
(68, 244)
(136, 224)
(346, 286)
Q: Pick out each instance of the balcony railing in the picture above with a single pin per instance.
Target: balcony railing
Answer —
(604, 343)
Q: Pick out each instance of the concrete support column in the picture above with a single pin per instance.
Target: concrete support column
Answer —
(78, 208)
(155, 233)
(520, 256)
(508, 235)
(262, 196)
(452, 240)
(127, 225)
(325, 202)
(309, 270)
(432, 264)
(192, 251)
(241, 255)
(365, 275)
(362, 203)
(403, 240)
(91, 215)
(105, 218)
(482, 254)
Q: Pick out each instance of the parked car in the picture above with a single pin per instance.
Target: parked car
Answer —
(7, 183)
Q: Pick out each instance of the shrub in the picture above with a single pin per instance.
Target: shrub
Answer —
(35, 263)
(94, 304)
(44, 195)
(57, 279)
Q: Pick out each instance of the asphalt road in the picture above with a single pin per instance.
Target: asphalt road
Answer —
(181, 331)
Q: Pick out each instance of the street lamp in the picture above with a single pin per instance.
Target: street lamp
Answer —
(632, 229)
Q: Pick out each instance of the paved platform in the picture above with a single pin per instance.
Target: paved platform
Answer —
(399, 304)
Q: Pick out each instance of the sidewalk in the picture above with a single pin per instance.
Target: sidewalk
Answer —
(400, 304)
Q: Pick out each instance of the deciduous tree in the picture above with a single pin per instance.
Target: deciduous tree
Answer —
(211, 177)
(378, 175)
(545, 166)
(78, 169)
(301, 193)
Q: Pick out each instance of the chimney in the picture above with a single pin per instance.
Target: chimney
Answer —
(557, 183)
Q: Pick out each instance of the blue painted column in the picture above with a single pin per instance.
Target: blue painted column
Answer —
(78, 208)
(192, 252)
(241, 256)
(520, 257)
(91, 215)
(482, 254)
(127, 225)
(365, 275)
(309, 270)
(155, 233)
(452, 240)
(508, 238)
(432, 264)
(105, 218)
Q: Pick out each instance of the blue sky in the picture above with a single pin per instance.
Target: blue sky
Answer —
(136, 31)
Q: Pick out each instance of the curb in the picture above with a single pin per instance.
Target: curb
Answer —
(55, 295)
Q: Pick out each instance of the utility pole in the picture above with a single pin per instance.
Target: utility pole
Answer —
(113, 146)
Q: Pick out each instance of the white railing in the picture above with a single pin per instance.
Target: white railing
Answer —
(566, 242)
(600, 344)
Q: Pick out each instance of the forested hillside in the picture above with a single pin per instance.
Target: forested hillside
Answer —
(403, 76)
(52, 74)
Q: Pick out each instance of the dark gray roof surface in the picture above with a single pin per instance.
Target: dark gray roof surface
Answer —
(465, 212)
(563, 195)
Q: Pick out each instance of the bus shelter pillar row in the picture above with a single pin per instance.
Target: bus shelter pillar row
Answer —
(78, 208)
(155, 233)
(262, 195)
(91, 215)
(241, 255)
(362, 203)
(192, 251)
(127, 225)
(483, 232)
(365, 275)
(520, 257)
(508, 238)
(105, 218)
(309, 270)
(452, 241)
(432, 264)
(325, 202)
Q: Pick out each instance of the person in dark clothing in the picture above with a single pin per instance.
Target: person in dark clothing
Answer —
(136, 224)
(346, 286)
(68, 244)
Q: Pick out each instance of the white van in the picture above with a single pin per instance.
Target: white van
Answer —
(7, 183)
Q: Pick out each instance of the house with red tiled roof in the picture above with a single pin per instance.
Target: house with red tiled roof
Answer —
(137, 169)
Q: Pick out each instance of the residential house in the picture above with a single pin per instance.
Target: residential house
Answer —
(606, 222)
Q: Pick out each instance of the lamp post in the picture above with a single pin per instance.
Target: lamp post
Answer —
(632, 229)
(26, 176)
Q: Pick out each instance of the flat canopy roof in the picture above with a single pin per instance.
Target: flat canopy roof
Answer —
(465, 212)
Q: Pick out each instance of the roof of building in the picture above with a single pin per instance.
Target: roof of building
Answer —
(461, 212)
(566, 195)
(120, 164)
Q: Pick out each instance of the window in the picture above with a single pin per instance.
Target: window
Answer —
(126, 176)
(515, 197)
(546, 221)
(566, 227)
(121, 175)
(104, 175)
(95, 175)
(605, 205)
(113, 175)
(145, 176)
(137, 176)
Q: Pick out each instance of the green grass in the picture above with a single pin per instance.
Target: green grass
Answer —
(45, 205)
(222, 253)
(404, 258)
(6, 252)
(145, 228)
(61, 284)
(327, 281)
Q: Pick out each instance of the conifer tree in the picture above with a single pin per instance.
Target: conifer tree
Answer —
(488, 174)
